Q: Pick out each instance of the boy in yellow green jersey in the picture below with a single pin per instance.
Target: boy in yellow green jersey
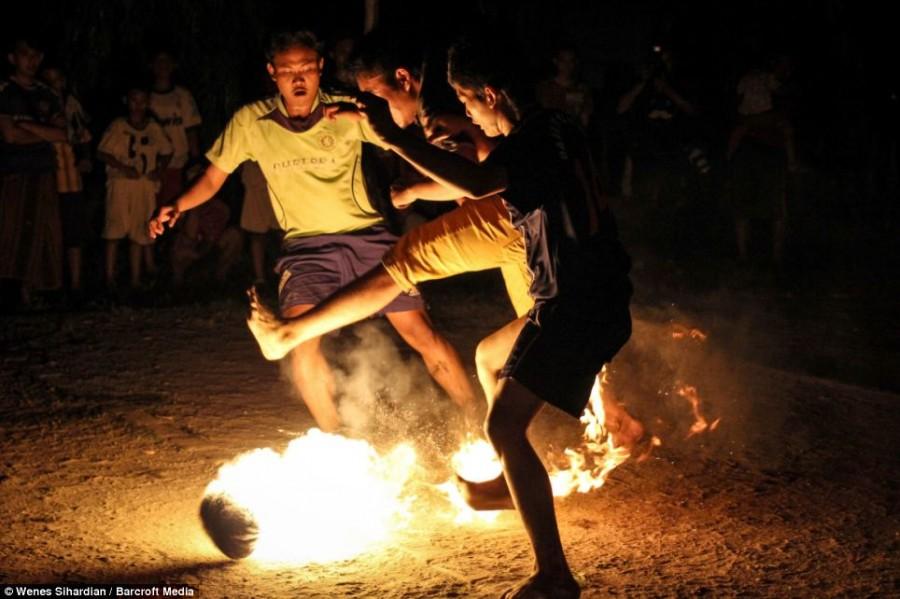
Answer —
(333, 234)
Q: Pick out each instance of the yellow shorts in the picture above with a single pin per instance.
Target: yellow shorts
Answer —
(476, 236)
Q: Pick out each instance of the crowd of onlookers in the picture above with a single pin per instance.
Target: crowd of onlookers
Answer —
(666, 171)
(149, 155)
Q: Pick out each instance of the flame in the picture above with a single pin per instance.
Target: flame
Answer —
(700, 424)
(325, 498)
(589, 466)
(475, 461)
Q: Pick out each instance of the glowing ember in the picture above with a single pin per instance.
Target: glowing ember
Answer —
(700, 424)
(476, 462)
(589, 466)
(679, 331)
(326, 498)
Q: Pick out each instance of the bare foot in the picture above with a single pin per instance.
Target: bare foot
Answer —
(267, 328)
(625, 431)
(539, 586)
(489, 495)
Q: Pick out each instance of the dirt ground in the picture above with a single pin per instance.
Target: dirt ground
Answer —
(113, 422)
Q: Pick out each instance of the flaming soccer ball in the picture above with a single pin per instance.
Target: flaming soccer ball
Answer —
(325, 498)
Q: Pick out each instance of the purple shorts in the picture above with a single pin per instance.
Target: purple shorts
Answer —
(314, 268)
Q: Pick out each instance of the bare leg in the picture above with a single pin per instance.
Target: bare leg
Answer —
(111, 252)
(734, 140)
(181, 260)
(229, 245)
(150, 259)
(258, 256)
(778, 235)
(492, 352)
(74, 256)
(134, 261)
(357, 301)
(742, 234)
(510, 415)
(313, 379)
(441, 359)
(623, 428)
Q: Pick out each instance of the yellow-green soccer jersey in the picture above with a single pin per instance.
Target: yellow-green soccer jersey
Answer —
(313, 166)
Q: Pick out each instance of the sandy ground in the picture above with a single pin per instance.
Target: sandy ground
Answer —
(113, 422)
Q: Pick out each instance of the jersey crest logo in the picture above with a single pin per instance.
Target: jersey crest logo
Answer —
(326, 141)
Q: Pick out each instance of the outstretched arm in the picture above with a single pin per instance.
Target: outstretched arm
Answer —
(460, 176)
(208, 185)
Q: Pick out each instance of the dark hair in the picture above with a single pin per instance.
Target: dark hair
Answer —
(136, 84)
(285, 40)
(490, 59)
(383, 51)
(436, 96)
(32, 41)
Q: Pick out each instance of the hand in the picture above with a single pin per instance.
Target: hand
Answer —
(400, 197)
(342, 110)
(378, 113)
(166, 214)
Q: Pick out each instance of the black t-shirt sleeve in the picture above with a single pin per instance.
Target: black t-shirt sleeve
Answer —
(533, 165)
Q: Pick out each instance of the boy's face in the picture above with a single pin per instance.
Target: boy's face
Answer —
(402, 98)
(163, 66)
(137, 103)
(25, 59)
(296, 72)
(566, 63)
(55, 79)
(481, 107)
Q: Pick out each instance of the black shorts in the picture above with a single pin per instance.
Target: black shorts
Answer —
(565, 344)
(73, 214)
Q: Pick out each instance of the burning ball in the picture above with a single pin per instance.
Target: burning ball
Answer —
(231, 527)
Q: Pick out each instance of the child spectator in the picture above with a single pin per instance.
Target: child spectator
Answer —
(135, 150)
(30, 122)
(174, 108)
(257, 216)
(72, 159)
(758, 117)
(566, 91)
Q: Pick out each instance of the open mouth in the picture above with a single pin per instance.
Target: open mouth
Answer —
(299, 92)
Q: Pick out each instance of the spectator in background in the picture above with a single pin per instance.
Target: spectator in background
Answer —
(72, 160)
(206, 231)
(656, 110)
(257, 217)
(757, 114)
(566, 91)
(136, 151)
(174, 109)
(31, 120)
(338, 73)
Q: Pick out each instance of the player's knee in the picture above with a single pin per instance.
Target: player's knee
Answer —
(485, 357)
(501, 430)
